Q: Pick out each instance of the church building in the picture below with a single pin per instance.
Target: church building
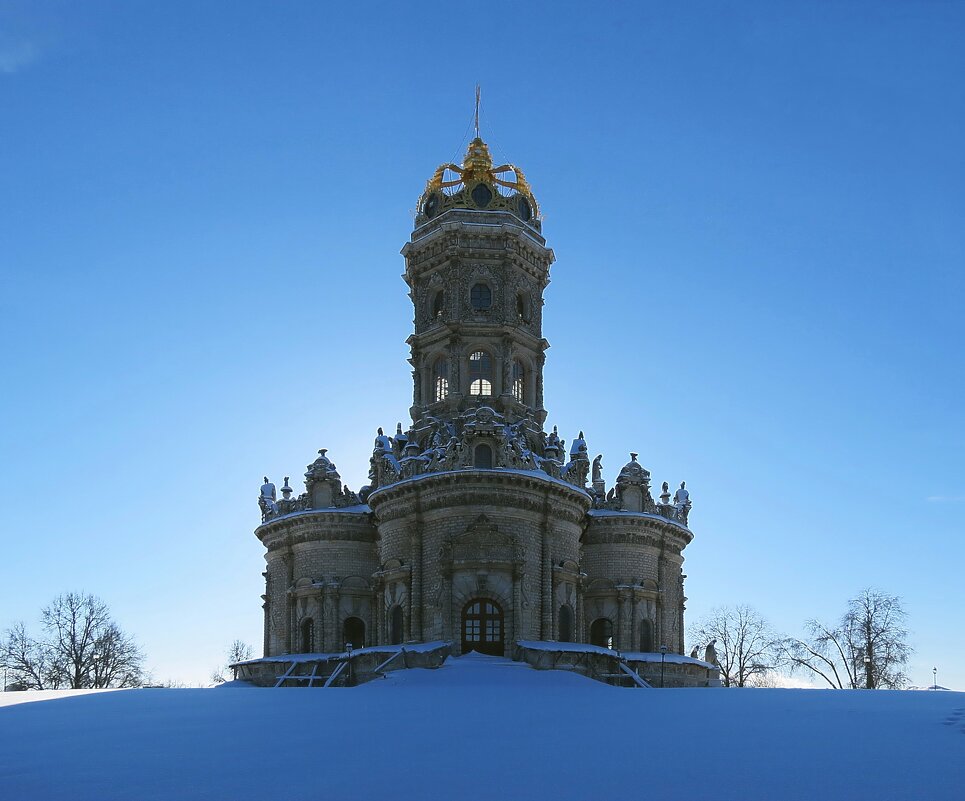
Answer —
(477, 525)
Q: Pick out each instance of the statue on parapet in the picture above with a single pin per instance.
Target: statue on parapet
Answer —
(682, 503)
(576, 470)
(554, 445)
(400, 440)
(382, 442)
(710, 652)
(598, 468)
(267, 500)
(665, 494)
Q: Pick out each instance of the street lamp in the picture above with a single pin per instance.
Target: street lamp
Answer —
(934, 673)
(94, 658)
(868, 684)
(663, 655)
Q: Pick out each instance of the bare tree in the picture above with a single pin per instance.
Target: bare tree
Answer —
(745, 645)
(238, 651)
(83, 648)
(28, 661)
(118, 662)
(868, 648)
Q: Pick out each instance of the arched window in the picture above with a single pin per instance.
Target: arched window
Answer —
(438, 300)
(601, 632)
(353, 631)
(481, 297)
(519, 381)
(522, 307)
(480, 373)
(566, 623)
(483, 457)
(308, 636)
(396, 625)
(440, 379)
(646, 636)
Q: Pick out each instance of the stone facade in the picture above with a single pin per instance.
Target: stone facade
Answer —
(477, 525)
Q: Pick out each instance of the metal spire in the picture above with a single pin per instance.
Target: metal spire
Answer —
(477, 110)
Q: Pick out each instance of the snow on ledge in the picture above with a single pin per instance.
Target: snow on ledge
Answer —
(538, 475)
(648, 515)
(357, 509)
(629, 656)
(412, 648)
(567, 647)
(676, 659)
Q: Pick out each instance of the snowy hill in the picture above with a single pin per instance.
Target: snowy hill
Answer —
(482, 728)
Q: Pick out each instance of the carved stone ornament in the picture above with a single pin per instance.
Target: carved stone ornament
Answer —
(632, 490)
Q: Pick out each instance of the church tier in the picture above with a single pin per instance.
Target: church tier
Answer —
(477, 525)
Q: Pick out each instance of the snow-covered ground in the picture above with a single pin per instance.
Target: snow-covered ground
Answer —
(483, 728)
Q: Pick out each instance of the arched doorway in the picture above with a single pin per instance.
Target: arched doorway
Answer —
(396, 621)
(482, 628)
(353, 631)
(601, 632)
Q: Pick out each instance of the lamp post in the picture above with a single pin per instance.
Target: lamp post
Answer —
(663, 655)
(934, 673)
(348, 647)
(868, 683)
(94, 658)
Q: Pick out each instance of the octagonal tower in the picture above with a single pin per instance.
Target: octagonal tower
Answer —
(476, 266)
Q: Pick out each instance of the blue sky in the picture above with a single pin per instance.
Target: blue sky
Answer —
(757, 215)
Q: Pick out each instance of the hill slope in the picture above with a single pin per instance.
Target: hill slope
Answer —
(483, 728)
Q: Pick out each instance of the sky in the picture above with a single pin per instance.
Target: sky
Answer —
(756, 210)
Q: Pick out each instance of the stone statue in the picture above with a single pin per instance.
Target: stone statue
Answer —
(382, 442)
(598, 468)
(693, 651)
(665, 494)
(266, 500)
(399, 441)
(681, 503)
(553, 449)
(710, 653)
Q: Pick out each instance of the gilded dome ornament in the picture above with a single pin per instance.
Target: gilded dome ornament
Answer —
(477, 184)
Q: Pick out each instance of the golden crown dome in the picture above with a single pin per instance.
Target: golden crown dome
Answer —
(477, 184)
